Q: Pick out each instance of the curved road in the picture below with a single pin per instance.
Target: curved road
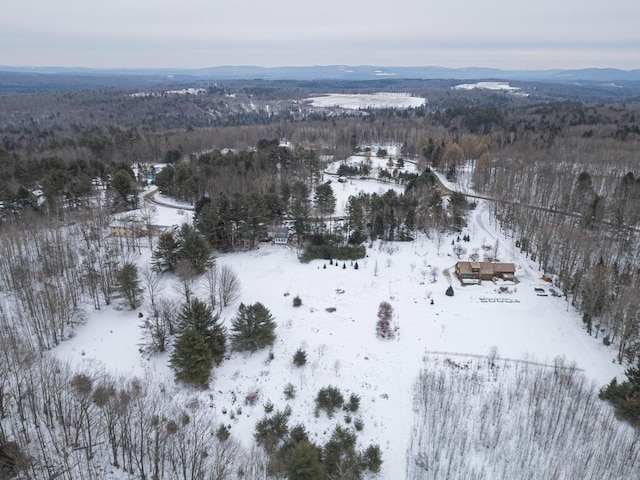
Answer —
(150, 197)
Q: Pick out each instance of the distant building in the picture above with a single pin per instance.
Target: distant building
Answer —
(279, 235)
(133, 226)
(157, 230)
(130, 226)
(38, 198)
(476, 272)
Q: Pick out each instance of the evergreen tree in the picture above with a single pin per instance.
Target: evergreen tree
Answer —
(198, 316)
(192, 359)
(625, 396)
(339, 455)
(166, 254)
(271, 431)
(325, 199)
(329, 399)
(299, 210)
(371, 459)
(194, 248)
(128, 285)
(300, 358)
(304, 463)
(124, 186)
(253, 328)
(165, 181)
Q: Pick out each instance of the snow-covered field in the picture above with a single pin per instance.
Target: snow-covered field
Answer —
(363, 101)
(486, 86)
(342, 348)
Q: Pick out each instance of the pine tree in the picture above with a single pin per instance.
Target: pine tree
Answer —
(192, 359)
(304, 463)
(625, 396)
(300, 358)
(339, 455)
(128, 285)
(198, 316)
(166, 254)
(194, 248)
(253, 328)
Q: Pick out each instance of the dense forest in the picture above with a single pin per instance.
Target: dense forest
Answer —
(562, 174)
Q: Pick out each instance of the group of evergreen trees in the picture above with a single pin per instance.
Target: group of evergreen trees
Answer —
(201, 339)
(187, 245)
(200, 343)
(625, 396)
(292, 454)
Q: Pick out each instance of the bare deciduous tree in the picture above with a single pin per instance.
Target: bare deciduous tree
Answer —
(228, 286)
(211, 280)
(151, 281)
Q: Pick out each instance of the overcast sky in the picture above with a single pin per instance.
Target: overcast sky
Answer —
(518, 34)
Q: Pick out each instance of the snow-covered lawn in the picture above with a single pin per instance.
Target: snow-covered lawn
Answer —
(341, 346)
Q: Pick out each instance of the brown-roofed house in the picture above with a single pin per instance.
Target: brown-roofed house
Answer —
(475, 272)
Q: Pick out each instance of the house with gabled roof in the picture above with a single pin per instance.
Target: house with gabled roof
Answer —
(471, 273)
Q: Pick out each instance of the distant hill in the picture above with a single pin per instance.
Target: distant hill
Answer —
(337, 72)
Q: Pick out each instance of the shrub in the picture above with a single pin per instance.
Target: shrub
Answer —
(268, 406)
(252, 398)
(383, 325)
(289, 391)
(329, 399)
(12, 459)
(300, 358)
(354, 403)
(223, 433)
(297, 301)
(359, 424)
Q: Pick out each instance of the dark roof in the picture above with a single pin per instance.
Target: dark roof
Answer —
(486, 268)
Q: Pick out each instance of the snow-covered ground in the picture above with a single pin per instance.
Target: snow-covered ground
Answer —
(342, 348)
(486, 86)
(359, 101)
